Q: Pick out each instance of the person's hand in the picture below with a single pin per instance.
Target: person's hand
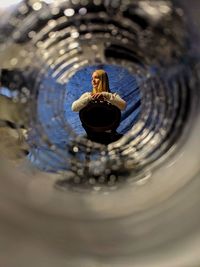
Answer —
(97, 96)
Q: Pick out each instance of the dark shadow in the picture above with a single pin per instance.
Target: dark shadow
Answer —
(100, 120)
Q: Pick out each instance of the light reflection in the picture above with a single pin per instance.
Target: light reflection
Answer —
(69, 12)
(155, 9)
(8, 3)
(82, 11)
(48, 1)
(37, 6)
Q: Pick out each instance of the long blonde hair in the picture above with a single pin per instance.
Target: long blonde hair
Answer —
(104, 82)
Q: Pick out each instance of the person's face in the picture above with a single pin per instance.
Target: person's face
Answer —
(95, 80)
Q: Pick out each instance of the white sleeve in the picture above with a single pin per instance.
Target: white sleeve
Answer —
(115, 100)
(81, 102)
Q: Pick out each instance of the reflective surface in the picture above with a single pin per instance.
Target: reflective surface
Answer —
(76, 203)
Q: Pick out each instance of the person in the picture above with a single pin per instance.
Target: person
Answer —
(100, 91)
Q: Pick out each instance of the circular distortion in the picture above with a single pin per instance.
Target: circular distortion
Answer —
(147, 59)
(137, 192)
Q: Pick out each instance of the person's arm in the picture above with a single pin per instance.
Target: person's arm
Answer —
(115, 100)
(81, 102)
